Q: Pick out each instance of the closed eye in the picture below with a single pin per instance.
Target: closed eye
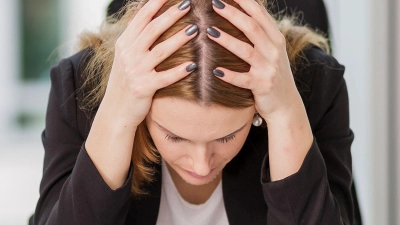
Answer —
(173, 139)
(178, 139)
(226, 139)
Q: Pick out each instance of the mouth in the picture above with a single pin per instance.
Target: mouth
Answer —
(195, 175)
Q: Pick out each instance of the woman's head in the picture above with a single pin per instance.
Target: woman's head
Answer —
(197, 139)
(204, 101)
(194, 107)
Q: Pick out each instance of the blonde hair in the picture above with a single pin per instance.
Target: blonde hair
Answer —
(201, 86)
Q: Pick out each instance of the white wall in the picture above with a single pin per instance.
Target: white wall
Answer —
(397, 107)
(360, 37)
(9, 61)
(80, 15)
(21, 154)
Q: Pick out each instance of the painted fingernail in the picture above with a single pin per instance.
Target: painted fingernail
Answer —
(218, 4)
(191, 67)
(184, 5)
(218, 73)
(213, 32)
(191, 30)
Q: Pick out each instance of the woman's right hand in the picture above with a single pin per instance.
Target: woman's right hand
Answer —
(131, 86)
(133, 80)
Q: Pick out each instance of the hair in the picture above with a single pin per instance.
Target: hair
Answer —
(201, 86)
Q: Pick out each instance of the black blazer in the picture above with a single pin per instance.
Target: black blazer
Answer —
(73, 192)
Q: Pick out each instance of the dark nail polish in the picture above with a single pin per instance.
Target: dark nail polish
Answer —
(184, 5)
(191, 30)
(213, 32)
(191, 67)
(218, 73)
(218, 4)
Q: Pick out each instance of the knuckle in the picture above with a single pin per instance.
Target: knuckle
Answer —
(268, 87)
(143, 13)
(275, 55)
(281, 40)
(230, 14)
(246, 82)
(158, 52)
(268, 84)
(119, 44)
(248, 52)
(137, 90)
(274, 70)
(259, 10)
(272, 79)
(152, 28)
(252, 26)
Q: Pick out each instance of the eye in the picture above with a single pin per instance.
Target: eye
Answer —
(226, 139)
(173, 139)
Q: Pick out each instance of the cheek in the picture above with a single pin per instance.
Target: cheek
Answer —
(169, 151)
(230, 149)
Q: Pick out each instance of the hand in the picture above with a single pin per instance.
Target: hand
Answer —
(133, 79)
(270, 77)
(131, 86)
(271, 81)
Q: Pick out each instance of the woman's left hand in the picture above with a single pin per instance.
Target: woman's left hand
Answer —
(271, 81)
(270, 77)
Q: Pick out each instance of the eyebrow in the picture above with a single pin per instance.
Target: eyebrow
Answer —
(166, 130)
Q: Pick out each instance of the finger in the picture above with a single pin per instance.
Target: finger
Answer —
(243, 80)
(260, 14)
(164, 49)
(138, 6)
(143, 17)
(249, 26)
(159, 25)
(237, 47)
(168, 77)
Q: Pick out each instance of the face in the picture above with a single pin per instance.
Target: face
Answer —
(197, 141)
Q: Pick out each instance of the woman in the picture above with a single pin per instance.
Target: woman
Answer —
(197, 113)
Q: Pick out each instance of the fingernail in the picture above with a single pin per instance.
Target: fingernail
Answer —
(218, 4)
(213, 32)
(191, 67)
(218, 73)
(191, 30)
(184, 5)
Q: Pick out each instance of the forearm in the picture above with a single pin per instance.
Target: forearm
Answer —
(109, 144)
(289, 138)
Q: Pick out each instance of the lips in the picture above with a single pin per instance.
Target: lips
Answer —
(198, 176)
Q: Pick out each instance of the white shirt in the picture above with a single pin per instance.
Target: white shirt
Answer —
(174, 210)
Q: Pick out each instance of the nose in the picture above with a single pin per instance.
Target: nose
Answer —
(202, 160)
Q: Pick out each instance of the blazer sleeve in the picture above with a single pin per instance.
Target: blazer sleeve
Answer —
(72, 191)
(320, 192)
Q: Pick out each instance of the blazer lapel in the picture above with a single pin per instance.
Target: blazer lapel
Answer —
(242, 190)
(144, 210)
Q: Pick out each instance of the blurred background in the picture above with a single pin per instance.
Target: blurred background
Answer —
(365, 35)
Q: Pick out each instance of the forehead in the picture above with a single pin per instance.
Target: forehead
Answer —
(190, 119)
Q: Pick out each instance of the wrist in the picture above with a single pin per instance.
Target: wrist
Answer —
(114, 111)
(294, 114)
(290, 138)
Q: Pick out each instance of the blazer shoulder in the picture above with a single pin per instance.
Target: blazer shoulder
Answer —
(319, 77)
(66, 81)
(79, 61)
(316, 71)
(71, 68)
